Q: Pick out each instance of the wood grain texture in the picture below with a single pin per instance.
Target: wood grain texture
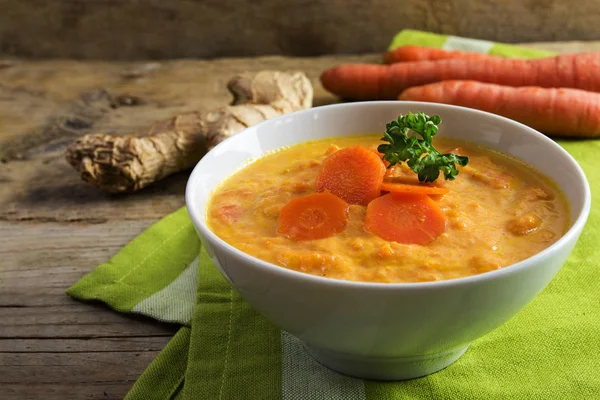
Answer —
(52, 346)
(158, 29)
(54, 228)
(106, 390)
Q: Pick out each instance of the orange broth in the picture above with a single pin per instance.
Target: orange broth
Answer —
(499, 211)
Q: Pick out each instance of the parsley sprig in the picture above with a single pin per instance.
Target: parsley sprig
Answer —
(416, 148)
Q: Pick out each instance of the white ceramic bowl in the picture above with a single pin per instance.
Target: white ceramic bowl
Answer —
(379, 330)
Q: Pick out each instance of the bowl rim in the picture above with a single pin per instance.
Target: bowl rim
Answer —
(575, 229)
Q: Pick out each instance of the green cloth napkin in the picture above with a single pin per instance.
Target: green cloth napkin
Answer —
(447, 42)
(225, 350)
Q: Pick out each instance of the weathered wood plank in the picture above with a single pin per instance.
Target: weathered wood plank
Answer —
(66, 391)
(126, 344)
(71, 314)
(21, 240)
(39, 323)
(38, 262)
(150, 29)
(20, 298)
(52, 367)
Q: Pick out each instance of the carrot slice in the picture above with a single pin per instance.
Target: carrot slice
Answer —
(314, 216)
(354, 174)
(412, 189)
(405, 218)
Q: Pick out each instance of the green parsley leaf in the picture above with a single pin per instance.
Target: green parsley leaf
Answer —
(410, 139)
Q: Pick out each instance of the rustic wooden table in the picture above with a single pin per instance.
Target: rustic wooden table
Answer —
(54, 228)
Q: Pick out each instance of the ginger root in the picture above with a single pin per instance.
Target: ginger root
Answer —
(128, 163)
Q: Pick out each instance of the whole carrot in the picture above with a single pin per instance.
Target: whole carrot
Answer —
(421, 53)
(559, 112)
(372, 81)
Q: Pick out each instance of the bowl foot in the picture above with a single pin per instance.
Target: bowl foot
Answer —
(386, 368)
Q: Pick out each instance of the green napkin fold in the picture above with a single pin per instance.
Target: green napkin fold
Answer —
(226, 350)
(448, 42)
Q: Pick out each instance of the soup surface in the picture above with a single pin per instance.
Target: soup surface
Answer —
(499, 211)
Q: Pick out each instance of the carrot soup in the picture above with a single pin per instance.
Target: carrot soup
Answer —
(388, 227)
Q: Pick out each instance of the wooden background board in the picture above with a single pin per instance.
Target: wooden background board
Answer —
(159, 29)
(54, 228)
